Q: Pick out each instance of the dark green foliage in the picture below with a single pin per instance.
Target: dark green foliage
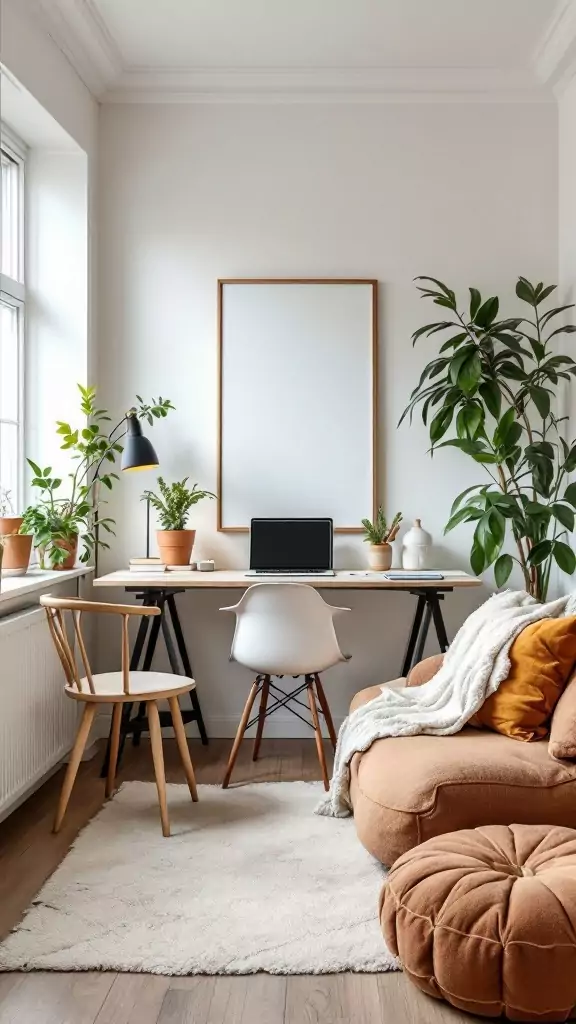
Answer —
(174, 502)
(491, 394)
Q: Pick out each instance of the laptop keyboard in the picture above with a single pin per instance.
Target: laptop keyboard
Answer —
(289, 572)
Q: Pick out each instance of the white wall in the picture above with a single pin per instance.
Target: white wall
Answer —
(188, 194)
(567, 239)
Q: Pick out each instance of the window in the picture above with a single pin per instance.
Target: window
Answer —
(12, 312)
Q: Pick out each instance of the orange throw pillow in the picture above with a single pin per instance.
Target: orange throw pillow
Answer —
(542, 658)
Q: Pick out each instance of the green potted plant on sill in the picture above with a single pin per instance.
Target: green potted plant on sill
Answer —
(494, 384)
(55, 522)
(380, 536)
(173, 505)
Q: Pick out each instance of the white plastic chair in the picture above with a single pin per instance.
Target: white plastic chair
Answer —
(284, 629)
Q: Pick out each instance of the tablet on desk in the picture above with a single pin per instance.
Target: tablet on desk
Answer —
(409, 574)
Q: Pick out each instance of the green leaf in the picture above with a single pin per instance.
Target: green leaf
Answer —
(525, 291)
(470, 373)
(475, 302)
(570, 462)
(477, 559)
(540, 552)
(545, 293)
(454, 342)
(541, 399)
(490, 393)
(469, 421)
(502, 569)
(34, 467)
(503, 427)
(47, 471)
(564, 514)
(564, 557)
(570, 494)
(487, 313)
(467, 514)
(440, 423)
(463, 494)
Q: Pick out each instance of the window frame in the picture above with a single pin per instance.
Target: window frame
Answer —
(13, 293)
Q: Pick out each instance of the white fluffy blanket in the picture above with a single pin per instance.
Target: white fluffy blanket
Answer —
(475, 664)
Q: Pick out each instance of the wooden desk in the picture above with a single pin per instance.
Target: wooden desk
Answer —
(160, 590)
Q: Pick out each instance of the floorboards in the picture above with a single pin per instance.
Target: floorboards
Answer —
(29, 853)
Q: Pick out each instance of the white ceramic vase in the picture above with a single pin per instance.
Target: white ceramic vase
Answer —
(416, 548)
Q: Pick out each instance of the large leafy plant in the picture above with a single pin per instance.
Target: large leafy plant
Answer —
(490, 392)
(68, 508)
(174, 502)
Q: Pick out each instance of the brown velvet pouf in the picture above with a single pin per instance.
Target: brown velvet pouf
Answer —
(485, 918)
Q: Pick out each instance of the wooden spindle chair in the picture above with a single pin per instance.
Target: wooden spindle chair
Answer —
(116, 688)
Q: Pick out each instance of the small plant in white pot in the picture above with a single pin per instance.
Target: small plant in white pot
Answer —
(173, 505)
(380, 536)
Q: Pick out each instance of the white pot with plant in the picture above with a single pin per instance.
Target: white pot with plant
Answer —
(380, 536)
(173, 504)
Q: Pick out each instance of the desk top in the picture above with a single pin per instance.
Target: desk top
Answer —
(349, 579)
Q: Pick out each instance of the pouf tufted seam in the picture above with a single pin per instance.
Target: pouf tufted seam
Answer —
(486, 919)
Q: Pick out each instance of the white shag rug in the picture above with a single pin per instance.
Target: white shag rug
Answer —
(250, 880)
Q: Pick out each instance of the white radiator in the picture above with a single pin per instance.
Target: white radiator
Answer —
(37, 720)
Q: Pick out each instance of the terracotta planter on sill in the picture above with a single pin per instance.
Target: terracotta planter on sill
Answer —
(72, 547)
(17, 548)
(175, 546)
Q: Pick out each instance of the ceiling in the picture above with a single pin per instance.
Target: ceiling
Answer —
(325, 33)
(306, 50)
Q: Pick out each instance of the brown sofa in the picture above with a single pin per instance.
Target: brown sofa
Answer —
(406, 790)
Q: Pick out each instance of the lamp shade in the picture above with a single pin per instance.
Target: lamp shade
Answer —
(138, 452)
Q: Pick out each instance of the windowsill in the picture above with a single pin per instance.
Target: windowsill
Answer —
(37, 580)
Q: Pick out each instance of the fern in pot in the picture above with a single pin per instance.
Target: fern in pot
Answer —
(173, 505)
(379, 535)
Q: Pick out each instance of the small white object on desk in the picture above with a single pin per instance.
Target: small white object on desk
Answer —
(206, 565)
(416, 548)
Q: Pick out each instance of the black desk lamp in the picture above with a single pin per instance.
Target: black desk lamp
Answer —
(138, 454)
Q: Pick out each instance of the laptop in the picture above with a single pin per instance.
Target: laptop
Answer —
(291, 547)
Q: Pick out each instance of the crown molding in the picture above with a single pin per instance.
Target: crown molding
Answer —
(555, 56)
(329, 85)
(78, 30)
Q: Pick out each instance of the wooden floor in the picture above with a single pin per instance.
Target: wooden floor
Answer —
(29, 853)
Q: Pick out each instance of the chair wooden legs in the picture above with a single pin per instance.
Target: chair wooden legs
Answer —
(114, 745)
(261, 717)
(325, 710)
(74, 762)
(317, 732)
(183, 749)
(240, 733)
(158, 758)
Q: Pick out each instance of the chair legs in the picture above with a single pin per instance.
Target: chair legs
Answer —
(114, 746)
(325, 710)
(74, 762)
(182, 744)
(317, 732)
(158, 758)
(261, 717)
(240, 733)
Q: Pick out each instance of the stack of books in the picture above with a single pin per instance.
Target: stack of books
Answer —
(148, 566)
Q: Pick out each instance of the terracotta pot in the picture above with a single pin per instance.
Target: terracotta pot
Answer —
(380, 557)
(72, 547)
(17, 550)
(175, 546)
(10, 525)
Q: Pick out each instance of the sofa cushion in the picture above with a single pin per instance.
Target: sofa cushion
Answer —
(486, 919)
(563, 728)
(542, 658)
(405, 790)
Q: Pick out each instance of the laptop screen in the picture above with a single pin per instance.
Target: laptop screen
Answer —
(291, 544)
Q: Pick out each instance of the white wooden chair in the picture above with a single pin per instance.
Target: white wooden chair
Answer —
(285, 629)
(116, 688)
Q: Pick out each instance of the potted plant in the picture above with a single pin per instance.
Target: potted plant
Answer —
(56, 522)
(16, 547)
(491, 393)
(173, 506)
(379, 536)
